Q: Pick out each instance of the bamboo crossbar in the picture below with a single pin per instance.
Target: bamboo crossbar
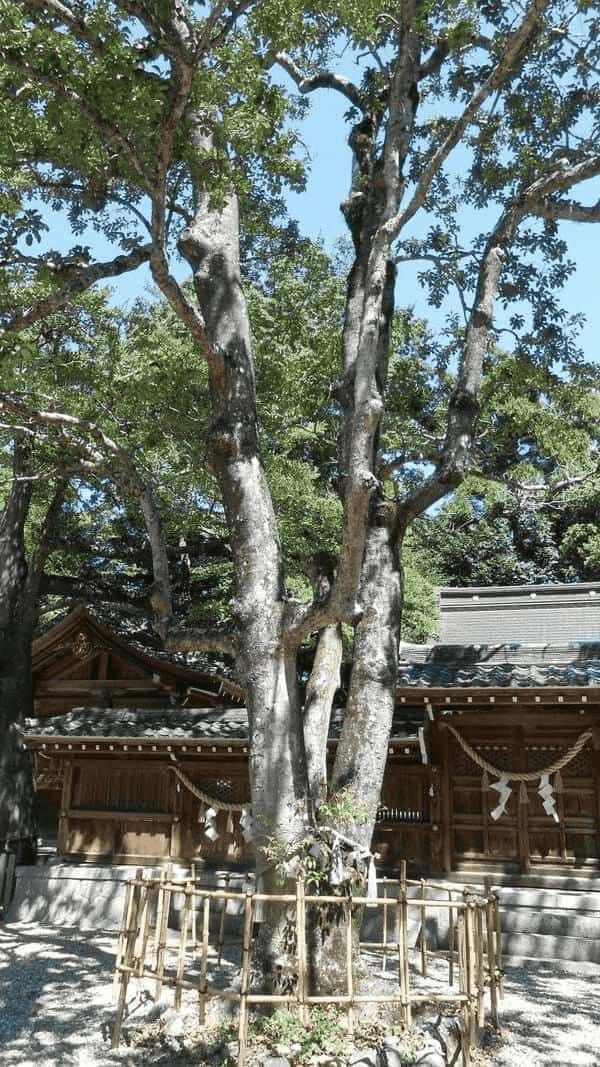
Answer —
(290, 898)
(145, 950)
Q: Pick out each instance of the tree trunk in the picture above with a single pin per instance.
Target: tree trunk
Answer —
(18, 821)
(321, 688)
(17, 814)
(362, 750)
(266, 667)
(21, 586)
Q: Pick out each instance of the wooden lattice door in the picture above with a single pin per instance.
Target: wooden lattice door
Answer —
(525, 833)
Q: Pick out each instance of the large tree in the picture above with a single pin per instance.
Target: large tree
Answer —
(166, 127)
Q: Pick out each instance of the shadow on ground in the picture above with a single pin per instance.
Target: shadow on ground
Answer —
(551, 1015)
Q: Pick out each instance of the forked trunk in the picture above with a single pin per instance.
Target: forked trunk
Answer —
(362, 750)
(361, 754)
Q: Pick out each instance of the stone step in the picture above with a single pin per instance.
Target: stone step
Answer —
(548, 947)
(548, 899)
(578, 880)
(554, 923)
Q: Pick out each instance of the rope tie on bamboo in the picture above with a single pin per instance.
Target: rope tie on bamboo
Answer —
(211, 806)
(546, 789)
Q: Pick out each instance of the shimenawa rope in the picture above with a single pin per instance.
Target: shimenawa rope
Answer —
(220, 805)
(522, 776)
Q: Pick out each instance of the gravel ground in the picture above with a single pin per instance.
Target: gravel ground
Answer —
(56, 1006)
(550, 1015)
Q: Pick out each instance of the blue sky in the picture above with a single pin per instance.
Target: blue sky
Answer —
(324, 132)
(318, 212)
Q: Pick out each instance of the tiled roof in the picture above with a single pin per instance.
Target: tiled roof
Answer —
(169, 723)
(142, 722)
(439, 674)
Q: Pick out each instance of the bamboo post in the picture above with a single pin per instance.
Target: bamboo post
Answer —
(302, 988)
(127, 963)
(349, 964)
(194, 929)
(403, 971)
(463, 986)
(162, 930)
(385, 929)
(144, 925)
(491, 954)
(124, 981)
(401, 945)
(471, 968)
(223, 914)
(423, 930)
(498, 930)
(406, 984)
(188, 902)
(245, 979)
(451, 935)
(202, 986)
(480, 963)
(160, 894)
(119, 955)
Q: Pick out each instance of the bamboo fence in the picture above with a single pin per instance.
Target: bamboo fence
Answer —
(473, 953)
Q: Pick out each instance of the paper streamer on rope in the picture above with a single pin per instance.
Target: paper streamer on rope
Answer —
(423, 746)
(210, 824)
(503, 789)
(229, 827)
(246, 825)
(546, 792)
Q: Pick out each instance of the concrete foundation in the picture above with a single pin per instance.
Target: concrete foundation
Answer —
(89, 897)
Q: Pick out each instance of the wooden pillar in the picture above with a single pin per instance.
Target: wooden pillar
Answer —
(435, 819)
(176, 841)
(65, 803)
(446, 803)
(596, 773)
(520, 758)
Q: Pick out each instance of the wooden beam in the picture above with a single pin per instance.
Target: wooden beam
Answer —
(98, 685)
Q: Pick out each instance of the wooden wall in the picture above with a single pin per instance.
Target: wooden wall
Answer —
(135, 810)
(525, 834)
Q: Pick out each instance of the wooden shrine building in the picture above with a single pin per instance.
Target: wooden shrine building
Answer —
(131, 746)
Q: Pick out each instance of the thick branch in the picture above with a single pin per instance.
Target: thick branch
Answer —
(76, 23)
(176, 297)
(198, 639)
(322, 684)
(500, 74)
(323, 80)
(368, 358)
(79, 280)
(566, 210)
(463, 406)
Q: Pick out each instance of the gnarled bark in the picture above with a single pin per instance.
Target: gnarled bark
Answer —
(362, 749)
(266, 665)
(18, 616)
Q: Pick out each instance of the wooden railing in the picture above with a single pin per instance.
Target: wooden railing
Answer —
(473, 952)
